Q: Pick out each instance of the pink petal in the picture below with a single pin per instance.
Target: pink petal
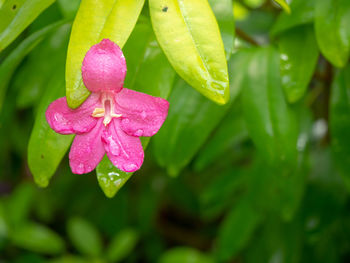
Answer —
(142, 114)
(124, 151)
(87, 150)
(104, 67)
(65, 120)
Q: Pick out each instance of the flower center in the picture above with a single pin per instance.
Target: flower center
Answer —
(107, 111)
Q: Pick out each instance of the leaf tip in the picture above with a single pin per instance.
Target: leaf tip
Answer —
(41, 182)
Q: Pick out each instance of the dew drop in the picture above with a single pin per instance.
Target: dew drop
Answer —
(129, 167)
(143, 115)
(139, 133)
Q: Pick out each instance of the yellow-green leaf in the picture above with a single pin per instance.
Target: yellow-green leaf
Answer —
(189, 35)
(96, 20)
(284, 5)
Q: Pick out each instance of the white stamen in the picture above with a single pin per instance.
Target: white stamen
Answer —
(107, 111)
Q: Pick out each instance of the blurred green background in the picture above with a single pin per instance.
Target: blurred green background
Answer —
(263, 179)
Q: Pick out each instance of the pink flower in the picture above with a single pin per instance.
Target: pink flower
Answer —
(112, 118)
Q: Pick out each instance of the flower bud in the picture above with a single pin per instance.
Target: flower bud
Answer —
(104, 67)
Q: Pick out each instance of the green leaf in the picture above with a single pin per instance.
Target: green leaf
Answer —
(37, 238)
(298, 58)
(69, 7)
(271, 123)
(254, 3)
(184, 255)
(220, 191)
(277, 241)
(231, 131)
(31, 79)
(236, 230)
(11, 62)
(110, 178)
(46, 148)
(223, 12)
(19, 204)
(190, 121)
(122, 245)
(95, 21)
(84, 236)
(193, 45)
(284, 5)
(332, 19)
(192, 118)
(16, 16)
(302, 12)
(339, 122)
(148, 69)
(276, 191)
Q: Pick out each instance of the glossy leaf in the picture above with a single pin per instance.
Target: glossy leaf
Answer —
(332, 19)
(284, 5)
(110, 178)
(302, 12)
(94, 22)
(16, 16)
(194, 46)
(339, 122)
(236, 230)
(85, 237)
(191, 120)
(37, 238)
(46, 148)
(270, 122)
(184, 255)
(8, 66)
(223, 12)
(122, 245)
(298, 58)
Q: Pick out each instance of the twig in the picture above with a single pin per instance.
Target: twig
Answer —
(246, 37)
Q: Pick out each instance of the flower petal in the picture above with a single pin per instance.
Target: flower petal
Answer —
(104, 67)
(87, 150)
(65, 120)
(142, 114)
(123, 150)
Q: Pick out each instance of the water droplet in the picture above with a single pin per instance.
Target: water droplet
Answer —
(138, 133)
(129, 167)
(80, 168)
(143, 115)
(117, 182)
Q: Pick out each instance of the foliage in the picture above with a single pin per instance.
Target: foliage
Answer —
(263, 178)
